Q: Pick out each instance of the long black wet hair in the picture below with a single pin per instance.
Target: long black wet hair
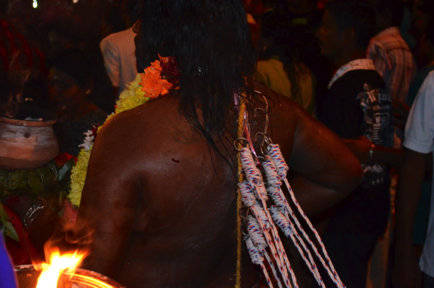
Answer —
(211, 42)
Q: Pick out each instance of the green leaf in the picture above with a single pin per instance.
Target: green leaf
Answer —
(65, 169)
(35, 183)
(3, 215)
(10, 231)
(8, 228)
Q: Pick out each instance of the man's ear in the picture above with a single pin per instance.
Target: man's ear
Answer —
(349, 35)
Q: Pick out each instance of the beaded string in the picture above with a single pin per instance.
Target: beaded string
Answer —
(282, 168)
(241, 124)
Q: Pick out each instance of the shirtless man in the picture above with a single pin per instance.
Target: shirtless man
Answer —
(159, 197)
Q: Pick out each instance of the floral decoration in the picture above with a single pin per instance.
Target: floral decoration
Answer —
(147, 85)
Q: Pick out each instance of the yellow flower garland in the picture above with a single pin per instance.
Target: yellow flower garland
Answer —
(131, 97)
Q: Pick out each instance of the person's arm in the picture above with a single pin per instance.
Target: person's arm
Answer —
(367, 153)
(419, 135)
(406, 271)
(327, 171)
(103, 207)
(111, 62)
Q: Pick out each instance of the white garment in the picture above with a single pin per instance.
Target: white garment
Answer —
(118, 50)
(358, 64)
(419, 137)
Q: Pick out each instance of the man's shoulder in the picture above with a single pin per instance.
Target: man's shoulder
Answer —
(118, 37)
(357, 78)
(388, 40)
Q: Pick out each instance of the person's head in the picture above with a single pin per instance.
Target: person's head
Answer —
(70, 79)
(427, 42)
(279, 37)
(348, 25)
(112, 20)
(127, 12)
(423, 11)
(389, 13)
(64, 32)
(211, 41)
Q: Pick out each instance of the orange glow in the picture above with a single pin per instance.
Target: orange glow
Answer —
(58, 264)
(65, 264)
(89, 281)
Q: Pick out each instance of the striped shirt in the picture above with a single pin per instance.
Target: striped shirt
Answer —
(393, 61)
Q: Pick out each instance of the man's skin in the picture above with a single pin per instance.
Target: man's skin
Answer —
(406, 270)
(161, 204)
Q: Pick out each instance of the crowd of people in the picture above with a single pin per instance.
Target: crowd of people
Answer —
(348, 89)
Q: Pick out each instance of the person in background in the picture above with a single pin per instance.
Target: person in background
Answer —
(418, 143)
(68, 31)
(118, 50)
(168, 167)
(357, 104)
(70, 84)
(280, 67)
(391, 55)
(427, 52)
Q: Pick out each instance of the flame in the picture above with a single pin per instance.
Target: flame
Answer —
(90, 281)
(57, 265)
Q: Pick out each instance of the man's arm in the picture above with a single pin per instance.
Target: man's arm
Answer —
(111, 62)
(361, 147)
(419, 135)
(406, 271)
(327, 171)
(103, 207)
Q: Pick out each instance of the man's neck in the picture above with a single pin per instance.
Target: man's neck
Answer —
(347, 57)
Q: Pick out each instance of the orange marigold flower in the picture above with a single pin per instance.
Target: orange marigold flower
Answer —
(152, 83)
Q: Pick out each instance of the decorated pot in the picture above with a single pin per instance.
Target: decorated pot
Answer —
(26, 144)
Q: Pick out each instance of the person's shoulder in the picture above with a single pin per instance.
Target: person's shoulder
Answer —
(143, 118)
(277, 102)
(261, 88)
(427, 88)
(118, 37)
(363, 76)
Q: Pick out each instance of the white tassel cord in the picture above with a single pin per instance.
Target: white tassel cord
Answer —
(281, 217)
(282, 168)
(258, 239)
(249, 200)
(257, 259)
(254, 177)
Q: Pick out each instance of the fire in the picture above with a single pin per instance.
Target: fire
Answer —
(65, 264)
(90, 281)
(58, 264)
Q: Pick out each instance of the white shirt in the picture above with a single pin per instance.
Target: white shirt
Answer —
(419, 137)
(118, 50)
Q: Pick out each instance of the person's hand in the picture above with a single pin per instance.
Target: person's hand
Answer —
(360, 147)
(406, 270)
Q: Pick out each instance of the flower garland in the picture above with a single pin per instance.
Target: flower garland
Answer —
(147, 85)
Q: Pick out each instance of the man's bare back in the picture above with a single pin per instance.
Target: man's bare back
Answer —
(162, 203)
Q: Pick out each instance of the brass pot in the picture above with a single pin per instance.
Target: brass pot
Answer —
(27, 277)
(26, 144)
